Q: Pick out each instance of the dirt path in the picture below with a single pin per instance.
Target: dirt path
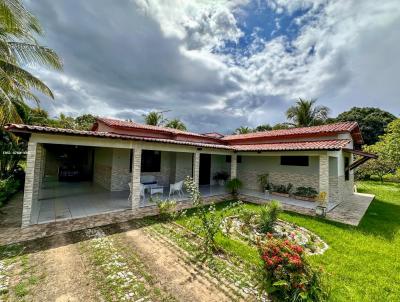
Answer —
(177, 277)
(66, 274)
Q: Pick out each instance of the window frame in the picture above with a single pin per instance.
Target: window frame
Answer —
(284, 160)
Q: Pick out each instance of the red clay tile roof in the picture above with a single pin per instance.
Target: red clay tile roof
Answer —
(20, 128)
(282, 146)
(334, 144)
(213, 134)
(298, 132)
(114, 123)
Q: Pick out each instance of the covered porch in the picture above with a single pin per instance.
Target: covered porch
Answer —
(75, 181)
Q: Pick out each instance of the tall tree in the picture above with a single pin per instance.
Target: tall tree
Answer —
(155, 118)
(18, 47)
(243, 130)
(372, 121)
(176, 124)
(305, 113)
(85, 121)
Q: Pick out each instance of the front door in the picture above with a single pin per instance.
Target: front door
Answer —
(205, 169)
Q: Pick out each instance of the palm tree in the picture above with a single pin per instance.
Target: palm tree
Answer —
(305, 113)
(176, 124)
(155, 118)
(19, 47)
(243, 130)
(263, 127)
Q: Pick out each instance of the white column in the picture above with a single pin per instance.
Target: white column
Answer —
(324, 175)
(196, 167)
(233, 166)
(32, 181)
(136, 167)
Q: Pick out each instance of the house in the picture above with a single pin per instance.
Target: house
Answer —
(120, 165)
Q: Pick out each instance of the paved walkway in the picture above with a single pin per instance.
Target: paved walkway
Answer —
(352, 210)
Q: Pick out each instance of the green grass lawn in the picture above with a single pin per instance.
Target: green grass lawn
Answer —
(362, 263)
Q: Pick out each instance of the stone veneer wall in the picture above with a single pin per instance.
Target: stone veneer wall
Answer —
(102, 168)
(252, 166)
(183, 166)
(120, 175)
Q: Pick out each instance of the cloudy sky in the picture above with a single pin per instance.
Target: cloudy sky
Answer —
(220, 64)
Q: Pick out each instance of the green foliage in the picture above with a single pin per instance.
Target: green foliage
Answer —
(264, 127)
(388, 151)
(8, 187)
(305, 113)
(282, 188)
(306, 192)
(243, 130)
(154, 118)
(280, 126)
(12, 151)
(286, 275)
(85, 121)
(263, 180)
(167, 209)
(20, 48)
(268, 216)
(176, 124)
(372, 121)
(246, 215)
(206, 220)
(234, 185)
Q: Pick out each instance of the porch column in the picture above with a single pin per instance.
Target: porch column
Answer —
(196, 167)
(233, 166)
(324, 175)
(32, 181)
(136, 167)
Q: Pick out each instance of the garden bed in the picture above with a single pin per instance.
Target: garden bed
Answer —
(312, 244)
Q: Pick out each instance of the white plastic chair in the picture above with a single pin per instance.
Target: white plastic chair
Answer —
(141, 191)
(176, 187)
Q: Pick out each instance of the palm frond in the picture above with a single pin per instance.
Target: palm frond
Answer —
(27, 53)
(24, 78)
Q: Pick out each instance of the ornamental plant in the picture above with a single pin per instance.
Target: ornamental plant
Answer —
(206, 221)
(285, 273)
(268, 216)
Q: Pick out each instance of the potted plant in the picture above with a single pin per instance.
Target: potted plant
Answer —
(305, 193)
(282, 190)
(221, 177)
(263, 180)
(234, 185)
(320, 210)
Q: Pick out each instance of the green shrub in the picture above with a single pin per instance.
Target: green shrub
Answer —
(167, 209)
(282, 188)
(8, 187)
(268, 216)
(246, 215)
(306, 192)
(286, 275)
(263, 181)
(234, 185)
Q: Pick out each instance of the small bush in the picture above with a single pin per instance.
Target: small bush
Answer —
(8, 187)
(306, 192)
(246, 215)
(167, 209)
(268, 216)
(234, 185)
(286, 275)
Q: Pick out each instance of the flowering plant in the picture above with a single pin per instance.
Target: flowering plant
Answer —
(286, 274)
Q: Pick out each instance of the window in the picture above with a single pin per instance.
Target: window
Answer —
(294, 161)
(151, 161)
(228, 159)
(346, 172)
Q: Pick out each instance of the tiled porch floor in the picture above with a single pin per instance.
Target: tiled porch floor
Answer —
(66, 200)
